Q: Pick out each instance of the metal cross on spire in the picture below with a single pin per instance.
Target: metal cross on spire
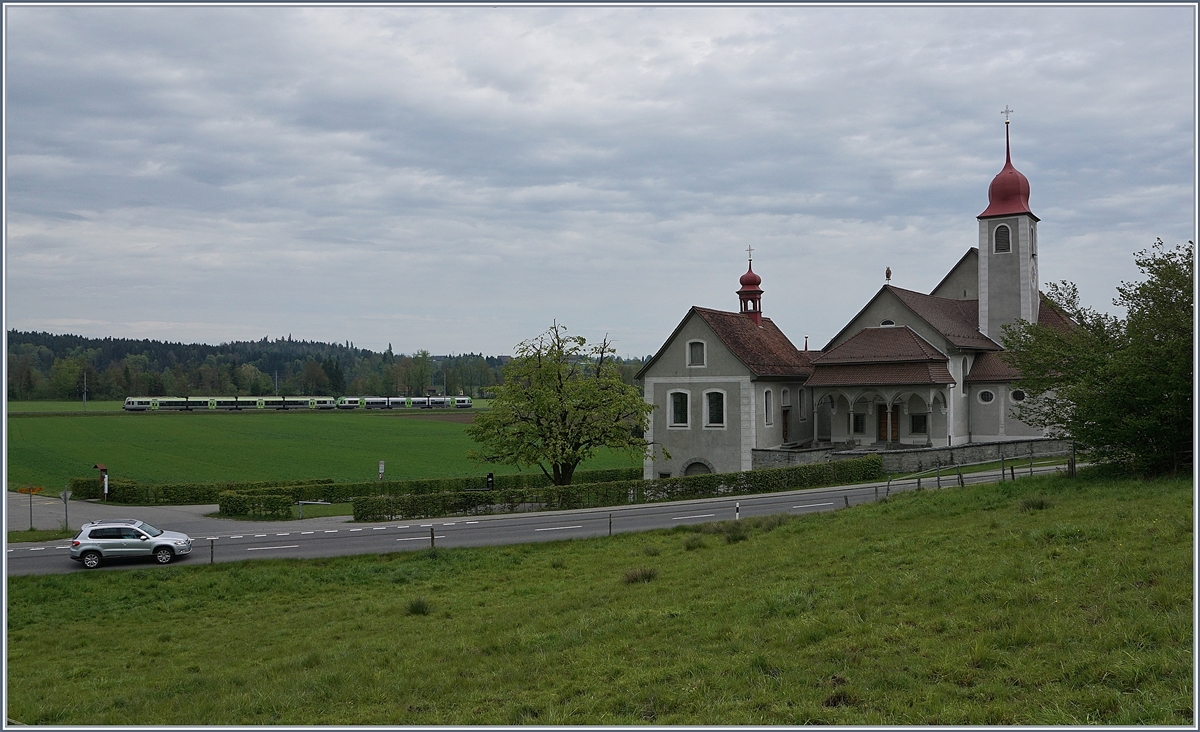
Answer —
(750, 252)
(1006, 111)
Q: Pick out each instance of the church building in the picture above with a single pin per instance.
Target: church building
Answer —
(910, 370)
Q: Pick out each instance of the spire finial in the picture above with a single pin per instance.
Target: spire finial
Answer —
(887, 275)
(1007, 155)
(749, 253)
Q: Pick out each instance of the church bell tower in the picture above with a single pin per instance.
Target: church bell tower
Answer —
(750, 293)
(1008, 276)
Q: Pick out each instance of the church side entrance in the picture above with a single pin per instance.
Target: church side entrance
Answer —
(881, 432)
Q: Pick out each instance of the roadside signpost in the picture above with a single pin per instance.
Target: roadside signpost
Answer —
(31, 490)
(66, 496)
(380, 470)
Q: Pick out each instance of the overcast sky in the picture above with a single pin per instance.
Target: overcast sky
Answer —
(456, 179)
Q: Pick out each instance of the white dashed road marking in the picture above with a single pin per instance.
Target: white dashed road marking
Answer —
(37, 549)
(331, 531)
(261, 548)
(378, 528)
(702, 515)
(559, 528)
(356, 529)
(286, 533)
(302, 533)
(472, 522)
(236, 536)
(256, 536)
(813, 505)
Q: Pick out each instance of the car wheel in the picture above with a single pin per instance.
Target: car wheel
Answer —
(163, 555)
(91, 560)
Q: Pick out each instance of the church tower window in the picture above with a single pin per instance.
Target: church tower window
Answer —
(1003, 237)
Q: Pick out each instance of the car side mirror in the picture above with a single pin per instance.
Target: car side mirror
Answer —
(143, 537)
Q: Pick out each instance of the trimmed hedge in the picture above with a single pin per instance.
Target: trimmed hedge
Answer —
(616, 493)
(123, 490)
(261, 505)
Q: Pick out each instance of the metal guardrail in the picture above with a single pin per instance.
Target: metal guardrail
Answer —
(952, 477)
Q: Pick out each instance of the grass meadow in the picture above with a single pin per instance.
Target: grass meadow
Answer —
(47, 449)
(1045, 601)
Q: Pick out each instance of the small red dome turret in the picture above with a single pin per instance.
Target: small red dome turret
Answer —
(751, 293)
(1009, 192)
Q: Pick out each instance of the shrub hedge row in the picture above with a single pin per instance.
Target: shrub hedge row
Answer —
(258, 505)
(614, 493)
(123, 490)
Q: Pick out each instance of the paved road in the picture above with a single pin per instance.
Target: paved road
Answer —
(220, 540)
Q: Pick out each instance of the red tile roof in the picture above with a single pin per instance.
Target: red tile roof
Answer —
(882, 344)
(990, 367)
(1049, 316)
(764, 349)
(883, 374)
(957, 320)
(885, 355)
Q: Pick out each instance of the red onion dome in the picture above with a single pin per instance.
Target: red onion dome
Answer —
(750, 279)
(1009, 192)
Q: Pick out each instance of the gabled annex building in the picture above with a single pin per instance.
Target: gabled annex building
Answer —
(910, 370)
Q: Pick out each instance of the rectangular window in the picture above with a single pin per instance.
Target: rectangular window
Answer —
(696, 354)
(716, 408)
(679, 408)
(860, 424)
(919, 424)
(768, 412)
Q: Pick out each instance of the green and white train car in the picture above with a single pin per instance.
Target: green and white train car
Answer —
(198, 403)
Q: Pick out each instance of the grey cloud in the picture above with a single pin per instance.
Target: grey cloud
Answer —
(553, 158)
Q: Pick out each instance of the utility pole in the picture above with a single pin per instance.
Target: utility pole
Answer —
(85, 388)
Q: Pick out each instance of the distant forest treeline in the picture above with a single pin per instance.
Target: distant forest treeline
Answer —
(48, 366)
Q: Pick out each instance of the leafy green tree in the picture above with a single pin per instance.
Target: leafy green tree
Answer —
(420, 372)
(561, 401)
(1121, 387)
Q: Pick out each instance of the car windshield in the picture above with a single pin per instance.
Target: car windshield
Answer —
(150, 530)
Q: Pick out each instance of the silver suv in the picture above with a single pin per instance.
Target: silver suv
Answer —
(101, 540)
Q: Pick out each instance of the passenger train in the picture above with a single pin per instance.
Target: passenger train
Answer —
(141, 404)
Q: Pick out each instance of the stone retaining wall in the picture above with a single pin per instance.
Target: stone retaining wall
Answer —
(912, 461)
(784, 458)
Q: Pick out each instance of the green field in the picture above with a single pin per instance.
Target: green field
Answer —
(165, 447)
(1044, 601)
(76, 406)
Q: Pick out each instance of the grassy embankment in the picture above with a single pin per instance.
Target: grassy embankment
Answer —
(177, 447)
(1041, 601)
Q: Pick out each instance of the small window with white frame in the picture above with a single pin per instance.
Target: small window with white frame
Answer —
(785, 398)
(768, 408)
(714, 408)
(677, 409)
(695, 354)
